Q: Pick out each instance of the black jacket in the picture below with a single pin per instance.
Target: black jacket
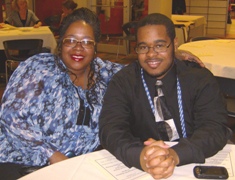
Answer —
(127, 120)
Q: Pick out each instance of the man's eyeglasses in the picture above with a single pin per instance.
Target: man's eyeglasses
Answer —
(72, 42)
(158, 48)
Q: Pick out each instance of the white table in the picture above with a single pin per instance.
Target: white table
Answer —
(9, 33)
(91, 166)
(217, 55)
(197, 28)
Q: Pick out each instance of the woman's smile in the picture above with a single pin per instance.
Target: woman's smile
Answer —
(77, 58)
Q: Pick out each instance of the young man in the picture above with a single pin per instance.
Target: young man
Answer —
(130, 127)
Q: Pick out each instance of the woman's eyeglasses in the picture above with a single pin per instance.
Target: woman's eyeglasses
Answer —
(85, 43)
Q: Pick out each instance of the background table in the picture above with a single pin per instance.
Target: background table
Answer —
(89, 166)
(217, 55)
(43, 33)
(198, 26)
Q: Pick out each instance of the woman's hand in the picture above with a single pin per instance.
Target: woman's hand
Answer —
(188, 56)
(37, 25)
(2, 25)
(57, 157)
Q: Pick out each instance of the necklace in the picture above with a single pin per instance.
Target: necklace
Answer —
(179, 99)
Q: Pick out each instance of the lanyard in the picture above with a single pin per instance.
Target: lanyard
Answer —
(179, 98)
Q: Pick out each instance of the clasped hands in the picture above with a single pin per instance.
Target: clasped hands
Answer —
(158, 159)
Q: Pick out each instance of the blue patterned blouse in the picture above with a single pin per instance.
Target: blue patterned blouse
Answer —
(40, 107)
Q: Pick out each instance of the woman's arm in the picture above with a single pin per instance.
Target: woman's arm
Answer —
(186, 55)
(57, 157)
(39, 23)
(22, 118)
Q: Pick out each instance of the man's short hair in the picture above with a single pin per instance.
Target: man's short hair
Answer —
(158, 19)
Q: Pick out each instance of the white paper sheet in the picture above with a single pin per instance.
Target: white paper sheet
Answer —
(113, 168)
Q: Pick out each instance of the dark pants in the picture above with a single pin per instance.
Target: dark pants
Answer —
(2, 61)
(11, 171)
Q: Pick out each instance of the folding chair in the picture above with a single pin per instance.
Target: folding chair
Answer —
(129, 29)
(19, 50)
(181, 33)
(228, 88)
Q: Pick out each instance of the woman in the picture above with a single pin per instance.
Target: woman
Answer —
(68, 7)
(53, 91)
(52, 103)
(21, 16)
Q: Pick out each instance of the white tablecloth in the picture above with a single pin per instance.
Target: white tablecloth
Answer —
(29, 33)
(217, 55)
(101, 165)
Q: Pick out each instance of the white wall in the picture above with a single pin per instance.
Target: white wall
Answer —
(82, 3)
(215, 13)
(160, 6)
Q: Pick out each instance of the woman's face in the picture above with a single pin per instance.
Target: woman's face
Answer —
(66, 11)
(78, 55)
(22, 4)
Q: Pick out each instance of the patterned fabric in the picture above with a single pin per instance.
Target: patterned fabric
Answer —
(40, 107)
(14, 19)
(163, 117)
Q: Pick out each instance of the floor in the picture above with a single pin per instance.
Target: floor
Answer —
(132, 56)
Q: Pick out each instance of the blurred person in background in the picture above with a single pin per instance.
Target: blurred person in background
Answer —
(21, 16)
(178, 7)
(68, 7)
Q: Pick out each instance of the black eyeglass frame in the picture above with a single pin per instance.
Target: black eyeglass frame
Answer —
(167, 46)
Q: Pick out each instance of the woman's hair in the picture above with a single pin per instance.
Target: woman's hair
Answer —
(70, 4)
(81, 14)
(15, 5)
(158, 19)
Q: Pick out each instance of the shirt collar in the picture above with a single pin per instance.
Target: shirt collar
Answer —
(169, 80)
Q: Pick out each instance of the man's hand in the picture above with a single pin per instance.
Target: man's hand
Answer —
(57, 157)
(188, 56)
(158, 159)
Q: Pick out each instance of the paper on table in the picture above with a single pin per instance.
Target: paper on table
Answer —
(225, 158)
(115, 169)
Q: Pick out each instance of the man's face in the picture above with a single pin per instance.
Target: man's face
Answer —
(155, 63)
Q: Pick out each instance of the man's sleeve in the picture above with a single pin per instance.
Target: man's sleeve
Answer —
(115, 133)
(209, 132)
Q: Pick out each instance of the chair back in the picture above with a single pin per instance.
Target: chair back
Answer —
(202, 38)
(227, 87)
(54, 23)
(129, 28)
(181, 34)
(21, 49)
